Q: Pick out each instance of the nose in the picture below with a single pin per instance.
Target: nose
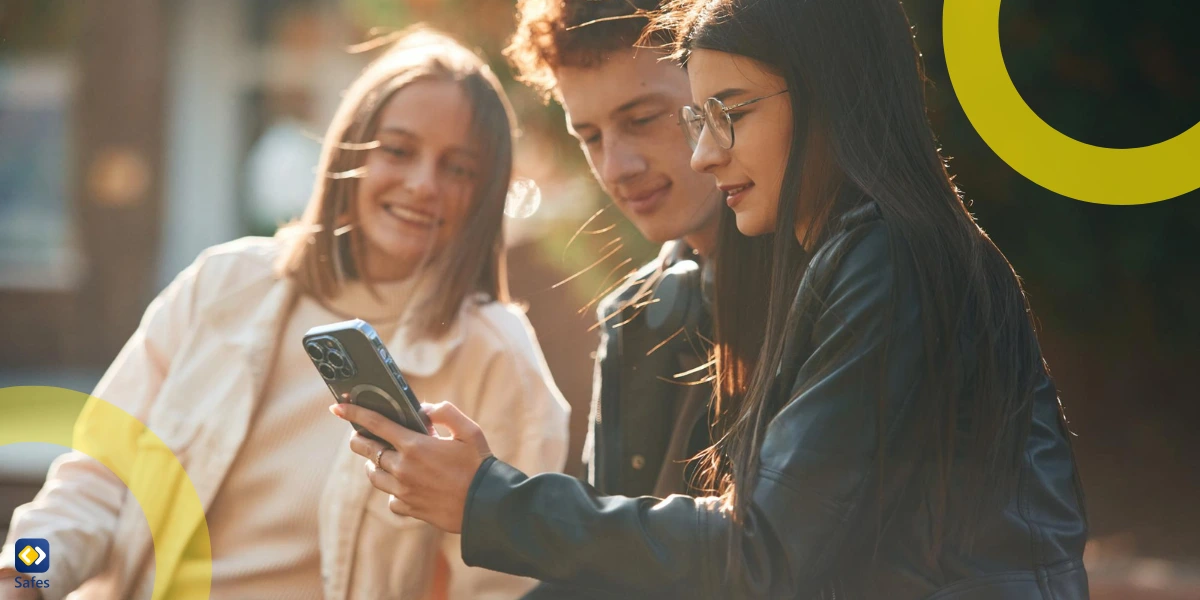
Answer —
(622, 161)
(708, 154)
(422, 179)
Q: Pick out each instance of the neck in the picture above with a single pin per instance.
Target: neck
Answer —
(803, 232)
(703, 240)
(388, 270)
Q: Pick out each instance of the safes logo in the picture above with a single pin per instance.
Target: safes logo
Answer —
(33, 555)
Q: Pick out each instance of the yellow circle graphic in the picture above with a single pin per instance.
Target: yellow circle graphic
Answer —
(138, 457)
(971, 33)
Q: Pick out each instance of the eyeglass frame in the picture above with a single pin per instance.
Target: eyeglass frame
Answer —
(704, 116)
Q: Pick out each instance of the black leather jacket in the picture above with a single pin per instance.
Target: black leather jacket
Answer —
(816, 488)
(634, 391)
(639, 355)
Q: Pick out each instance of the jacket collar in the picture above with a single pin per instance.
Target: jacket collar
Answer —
(253, 336)
(424, 357)
(270, 302)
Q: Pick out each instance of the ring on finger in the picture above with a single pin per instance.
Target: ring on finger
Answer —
(379, 457)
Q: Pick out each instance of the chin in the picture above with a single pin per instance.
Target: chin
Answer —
(663, 235)
(398, 251)
(653, 232)
(751, 226)
(664, 227)
(410, 255)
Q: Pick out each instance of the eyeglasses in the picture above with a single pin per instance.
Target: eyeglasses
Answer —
(714, 115)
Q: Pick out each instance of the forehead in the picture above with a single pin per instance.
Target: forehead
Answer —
(590, 94)
(711, 72)
(434, 110)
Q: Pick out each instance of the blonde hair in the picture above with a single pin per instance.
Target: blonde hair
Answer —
(323, 248)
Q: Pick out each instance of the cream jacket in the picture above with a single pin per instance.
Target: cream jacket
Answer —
(194, 371)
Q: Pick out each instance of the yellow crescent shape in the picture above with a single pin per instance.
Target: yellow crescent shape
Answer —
(138, 457)
(1057, 162)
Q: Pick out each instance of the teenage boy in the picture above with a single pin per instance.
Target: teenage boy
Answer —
(622, 104)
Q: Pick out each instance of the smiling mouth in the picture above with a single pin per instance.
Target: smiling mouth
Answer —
(409, 215)
(733, 191)
(646, 195)
(646, 202)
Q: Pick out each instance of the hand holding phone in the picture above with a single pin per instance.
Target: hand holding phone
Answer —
(359, 370)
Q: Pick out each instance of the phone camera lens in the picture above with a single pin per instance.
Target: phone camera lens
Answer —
(345, 372)
(336, 359)
(327, 372)
(314, 350)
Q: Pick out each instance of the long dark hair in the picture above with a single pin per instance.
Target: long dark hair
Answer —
(861, 141)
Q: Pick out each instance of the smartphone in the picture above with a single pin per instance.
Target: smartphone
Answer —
(359, 370)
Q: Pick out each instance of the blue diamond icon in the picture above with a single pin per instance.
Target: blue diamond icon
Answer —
(32, 555)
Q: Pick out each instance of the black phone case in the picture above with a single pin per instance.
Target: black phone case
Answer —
(358, 369)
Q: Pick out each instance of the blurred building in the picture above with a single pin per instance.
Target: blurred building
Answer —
(133, 134)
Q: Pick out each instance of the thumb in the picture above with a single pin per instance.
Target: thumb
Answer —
(460, 426)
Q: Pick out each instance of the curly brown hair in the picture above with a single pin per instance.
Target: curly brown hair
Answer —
(574, 33)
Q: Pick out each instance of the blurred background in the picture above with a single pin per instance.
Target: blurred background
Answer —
(135, 133)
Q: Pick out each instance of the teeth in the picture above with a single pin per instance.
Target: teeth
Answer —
(738, 190)
(409, 214)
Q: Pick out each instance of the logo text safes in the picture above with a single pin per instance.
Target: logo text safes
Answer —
(33, 555)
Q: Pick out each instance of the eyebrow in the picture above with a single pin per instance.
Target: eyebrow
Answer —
(404, 132)
(634, 103)
(726, 93)
(398, 130)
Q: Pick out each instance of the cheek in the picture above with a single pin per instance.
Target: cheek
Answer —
(773, 162)
(765, 217)
(456, 207)
(363, 197)
(675, 160)
(379, 175)
(595, 161)
(365, 213)
(754, 222)
(767, 170)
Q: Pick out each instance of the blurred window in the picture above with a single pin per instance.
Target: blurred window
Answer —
(37, 237)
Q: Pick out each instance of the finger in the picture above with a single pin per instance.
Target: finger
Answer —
(382, 480)
(365, 446)
(374, 452)
(399, 507)
(376, 423)
(460, 426)
(425, 421)
(391, 462)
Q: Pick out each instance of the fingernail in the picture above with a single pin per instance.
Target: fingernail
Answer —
(336, 410)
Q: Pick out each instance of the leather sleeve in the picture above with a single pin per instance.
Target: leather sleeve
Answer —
(817, 467)
(546, 590)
